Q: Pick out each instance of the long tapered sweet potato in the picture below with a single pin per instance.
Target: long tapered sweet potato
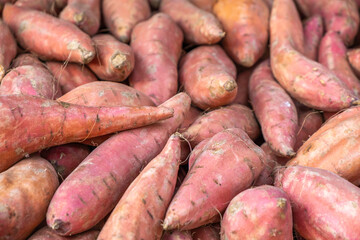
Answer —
(94, 188)
(208, 76)
(157, 45)
(247, 29)
(47, 233)
(229, 164)
(258, 213)
(71, 75)
(232, 116)
(7, 48)
(199, 26)
(142, 208)
(312, 84)
(25, 193)
(208, 232)
(61, 40)
(48, 6)
(325, 206)
(115, 60)
(340, 16)
(83, 13)
(30, 124)
(121, 16)
(313, 32)
(274, 109)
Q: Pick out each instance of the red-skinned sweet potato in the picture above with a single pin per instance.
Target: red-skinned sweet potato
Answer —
(313, 32)
(242, 81)
(208, 232)
(47, 233)
(61, 40)
(25, 193)
(229, 164)
(197, 151)
(266, 177)
(258, 213)
(26, 59)
(121, 16)
(142, 208)
(199, 26)
(93, 189)
(247, 29)
(177, 235)
(48, 6)
(325, 206)
(208, 76)
(114, 61)
(206, 5)
(157, 45)
(353, 56)
(83, 13)
(30, 124)
(7, 48)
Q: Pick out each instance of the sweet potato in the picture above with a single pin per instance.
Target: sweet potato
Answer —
(30, 124)
(340, 16)
(115, 60)
(141, 209)
(353, 56)
(189, 118)
(199, 26)
(266, 176)
(313, 32)
(206, 5)
(157, 45)
(232, 116)
(208, 76)
(61, 40)
(25, 193)
(47, 6)
(228, 165)
(197, 151)
(242, 81)
(258, 213)
(325, 206)
(94, 188)
(70, 75)
(47, 233)
(312, 84)
(247, 29)
(83, 13)
(7, 48)
(65, 158)
(177, 235)
(206, 233)
(26, 59)
(121, 16)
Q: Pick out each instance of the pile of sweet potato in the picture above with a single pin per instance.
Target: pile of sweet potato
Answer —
(179, 119)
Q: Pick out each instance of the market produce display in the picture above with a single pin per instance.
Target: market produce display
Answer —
(179, 119)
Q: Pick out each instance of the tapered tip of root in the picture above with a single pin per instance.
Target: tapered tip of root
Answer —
(60, 227)
(230, 85)
(118, 60)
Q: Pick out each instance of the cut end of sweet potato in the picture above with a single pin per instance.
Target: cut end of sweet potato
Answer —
(60, 227)
(87, 56)
(79, 17)
(230, 85)
(118, 60)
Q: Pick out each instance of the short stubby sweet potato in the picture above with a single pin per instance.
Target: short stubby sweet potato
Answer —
(231, 116)
(114, 61)
(199, 26)
(325, 206)
(208, 76)
(46, 233)
(70, 75)
(26, 59)
(120, 16)
(246, 24)
(313, 32)
(229, 163)
(48, 6)
(274, 109)
(340, 16)
(258, 213)
(208, 232)
(242, 81)
(83, 13)
(7, 48)
(157, 45)
(61, 40)
(25, 193)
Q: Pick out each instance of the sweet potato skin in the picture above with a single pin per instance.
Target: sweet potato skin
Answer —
(121, 16)
(25, 193)
(206, 5)
(313, 32)
(267, 217)
(274, 109)
(177, 235)
(6, 53)
(208, 232)
(47, 6)
(229, 164)
(242, 81)
(353, 56)
(199, 26)
(142, 208)
(246, 25)
(46, 233)
(157, 45)
(106, 173)
(61, 41)
(26, 59)
(208, 76)
(115, 60)
(325, 206)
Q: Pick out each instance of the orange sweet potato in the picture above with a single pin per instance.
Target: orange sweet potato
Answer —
(157, 45)
(199, 26)
(115, 60)
(25, 193)
(121, 16)
(313, 31)
(61, 40)
(247, 29)
(208, 76)
(48, 6)
(46, 233)
(7, 48)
